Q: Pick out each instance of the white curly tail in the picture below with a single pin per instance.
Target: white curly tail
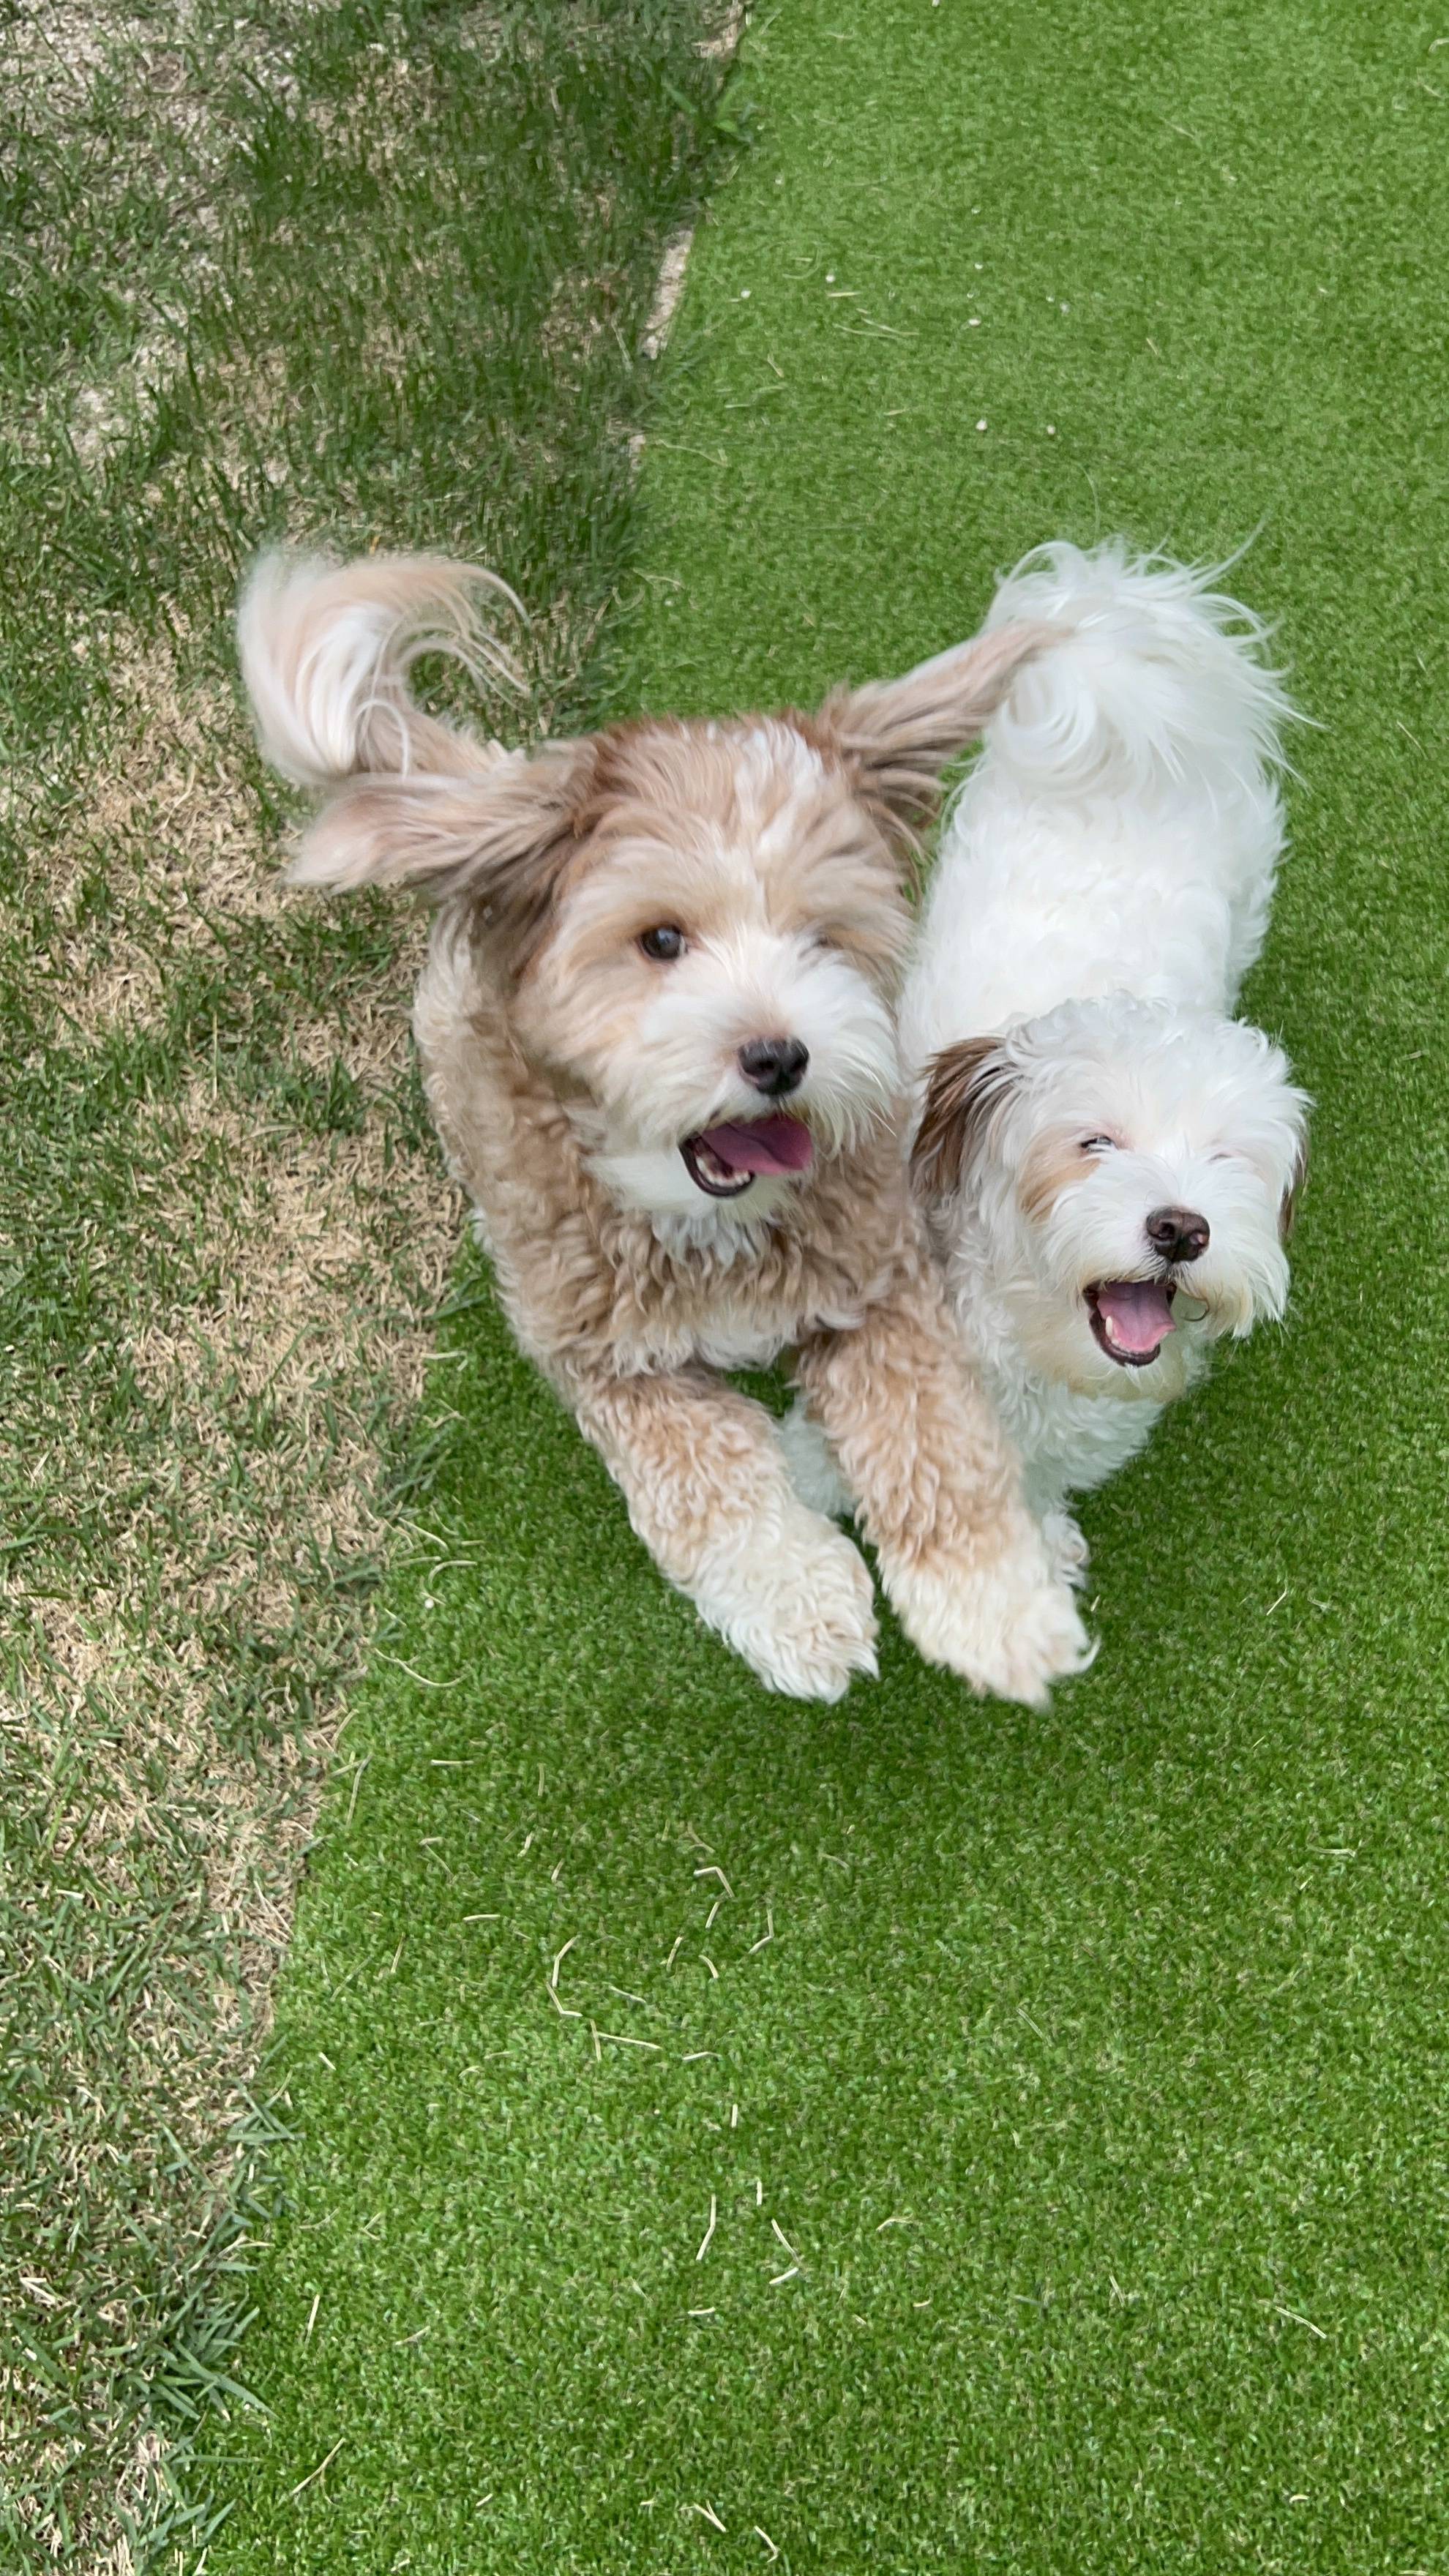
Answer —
(326, 650)
(1159, 680)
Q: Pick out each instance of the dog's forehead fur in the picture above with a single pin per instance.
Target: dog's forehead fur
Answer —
(720, 827)
(760, 789)
(1150, 1077)
(739, 775)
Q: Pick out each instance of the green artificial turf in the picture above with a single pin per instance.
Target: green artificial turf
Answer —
(922, 2136)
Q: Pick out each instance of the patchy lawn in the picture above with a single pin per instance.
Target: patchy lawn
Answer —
(379, 274)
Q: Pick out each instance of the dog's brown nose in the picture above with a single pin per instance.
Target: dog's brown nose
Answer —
(1178, 1234)
(774, 1065)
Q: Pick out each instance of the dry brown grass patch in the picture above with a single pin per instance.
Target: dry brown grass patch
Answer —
(177, 1690)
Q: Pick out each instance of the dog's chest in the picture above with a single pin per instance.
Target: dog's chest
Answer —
(1069, 1443)
(724, 1330)
(740, 1341)
(732, 1307)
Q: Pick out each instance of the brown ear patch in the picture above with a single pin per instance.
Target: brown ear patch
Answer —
(963, 1084)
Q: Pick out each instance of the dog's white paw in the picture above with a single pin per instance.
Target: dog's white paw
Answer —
(1066, 1548)
(1010, 1627)
(813, 1471)
(800, 1609)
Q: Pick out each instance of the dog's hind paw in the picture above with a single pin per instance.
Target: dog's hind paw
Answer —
(801, 1610)
(1009, 1627)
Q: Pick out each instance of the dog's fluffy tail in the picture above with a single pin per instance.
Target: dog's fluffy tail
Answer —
(326, 650)
(1159, 680)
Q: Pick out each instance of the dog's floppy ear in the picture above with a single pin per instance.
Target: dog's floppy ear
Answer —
(897, 736)
(1288, 1205)
(503, 837)
(964, 1083)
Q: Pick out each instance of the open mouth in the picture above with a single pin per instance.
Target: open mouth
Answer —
(723, 1161)
(1131, 1318)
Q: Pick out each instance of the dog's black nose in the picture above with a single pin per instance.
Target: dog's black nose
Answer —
(1178, 1234)
(774, 1065)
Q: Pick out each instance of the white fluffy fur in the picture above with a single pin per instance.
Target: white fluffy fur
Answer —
(1121, 830)
(1103, 885)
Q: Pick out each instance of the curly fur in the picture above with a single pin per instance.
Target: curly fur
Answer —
(567, 1068)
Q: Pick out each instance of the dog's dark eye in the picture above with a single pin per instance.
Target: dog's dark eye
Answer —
(1099, 1144)
(663, 944)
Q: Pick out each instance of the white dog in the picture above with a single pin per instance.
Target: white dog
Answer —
(1109, 1161)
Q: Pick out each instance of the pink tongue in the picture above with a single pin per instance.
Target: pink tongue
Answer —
(766, 1145)
(1139, 1310)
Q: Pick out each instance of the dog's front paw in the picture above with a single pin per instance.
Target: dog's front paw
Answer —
(1009, 1627)
(800, 1609)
